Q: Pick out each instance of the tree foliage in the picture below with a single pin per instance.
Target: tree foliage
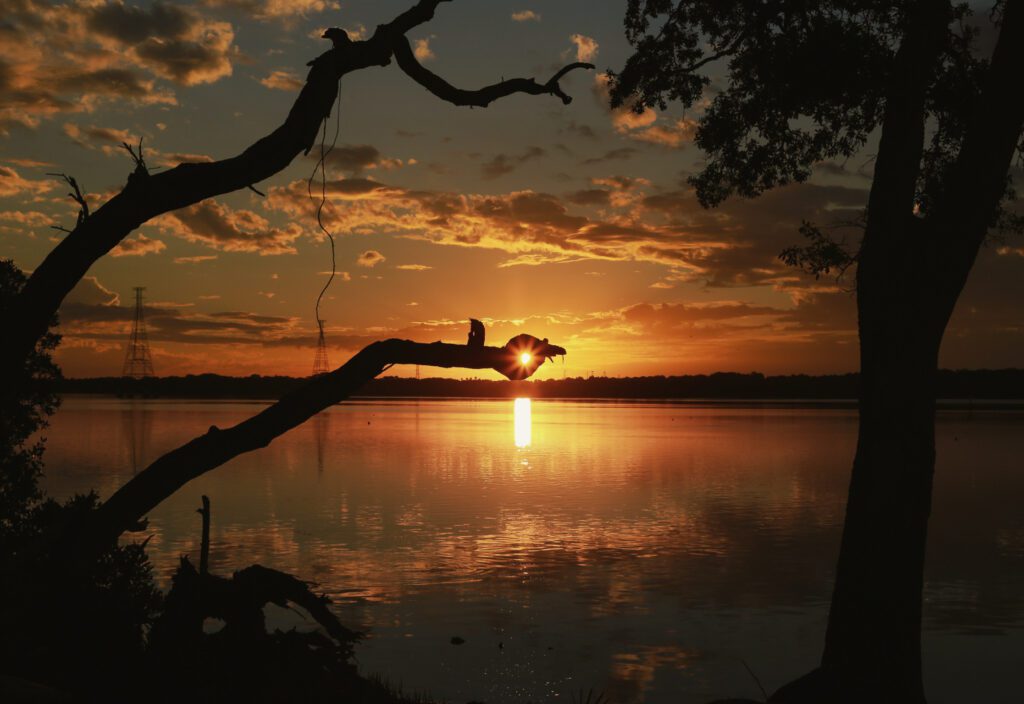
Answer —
(22, 416)
(783, 85)
(73, 624)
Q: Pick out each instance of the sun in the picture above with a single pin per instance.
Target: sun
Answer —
(525, 358)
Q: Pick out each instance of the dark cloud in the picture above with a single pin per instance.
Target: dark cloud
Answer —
(220, 227)
(592, 196)
(108, 81)
(501, 164)
(351, 158)
(580, 130)
(620, 154)
(189, 62)
(370, 258)
(132, 25)
(168, 323)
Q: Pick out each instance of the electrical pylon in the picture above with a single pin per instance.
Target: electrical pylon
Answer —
(138, 362)
(320, 363)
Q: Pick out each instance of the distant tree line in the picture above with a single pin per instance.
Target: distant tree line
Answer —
(982, 384)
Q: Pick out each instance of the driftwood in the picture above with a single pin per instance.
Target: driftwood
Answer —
(238, 601)
(127, 507)
(148, 195)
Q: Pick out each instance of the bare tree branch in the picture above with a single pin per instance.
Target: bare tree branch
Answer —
(484, 96)
(124, 510)
(144, 198)
(419, 14)
(76, 196)
(138, 157)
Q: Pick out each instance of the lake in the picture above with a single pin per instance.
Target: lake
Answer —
(650, 551)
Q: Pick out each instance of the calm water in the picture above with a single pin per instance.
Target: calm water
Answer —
(643, 550)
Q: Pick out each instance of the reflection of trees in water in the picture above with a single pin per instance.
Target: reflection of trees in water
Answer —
(137, 421)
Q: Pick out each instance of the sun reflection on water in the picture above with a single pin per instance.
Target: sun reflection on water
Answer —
(523, 422)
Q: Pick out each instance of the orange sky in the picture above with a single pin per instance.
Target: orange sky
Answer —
(573, 223)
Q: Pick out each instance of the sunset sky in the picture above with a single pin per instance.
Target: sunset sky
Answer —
(573, 222)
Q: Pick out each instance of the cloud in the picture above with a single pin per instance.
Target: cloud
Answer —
(270, 10)
(14, 184)
(85, 319)
(71, 58)
(108, 139)
(592, 196)
(525, 16)
(640, 126)
(196, 260)
(370, 258)
(175, 158)
(586, 47)
(220, 227)
(502, 164)
(619, 154)
(421, 49)
(675, 135)
(580, 130)
(282, 80)
(619, 219)
(89, 291)
(535, 227)
(413, 267)
(131, 25)
(138, 246)
(356, 158)
(26, 218)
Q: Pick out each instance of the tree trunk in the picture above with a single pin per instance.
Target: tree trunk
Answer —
(873, 643)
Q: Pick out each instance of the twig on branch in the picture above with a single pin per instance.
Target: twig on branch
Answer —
(484, 96)
(137, 156)
(75, 195)
(518, 359)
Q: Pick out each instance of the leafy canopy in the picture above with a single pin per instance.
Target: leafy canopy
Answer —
(785, 84)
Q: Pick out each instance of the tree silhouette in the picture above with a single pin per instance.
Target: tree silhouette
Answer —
(27, 316)
(810, 81)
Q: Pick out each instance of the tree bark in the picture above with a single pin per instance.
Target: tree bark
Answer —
(126, 508)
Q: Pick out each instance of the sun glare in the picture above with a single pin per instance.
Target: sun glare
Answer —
(523, 422)
(525, 358)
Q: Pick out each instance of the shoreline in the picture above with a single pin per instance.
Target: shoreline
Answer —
(942, 404)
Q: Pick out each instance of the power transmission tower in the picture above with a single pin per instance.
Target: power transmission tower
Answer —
(320, 364)
(138, 362)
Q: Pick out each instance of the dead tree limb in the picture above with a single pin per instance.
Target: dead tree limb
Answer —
(204, 544)
(186, 184)
(175, 469)
(484, 96)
